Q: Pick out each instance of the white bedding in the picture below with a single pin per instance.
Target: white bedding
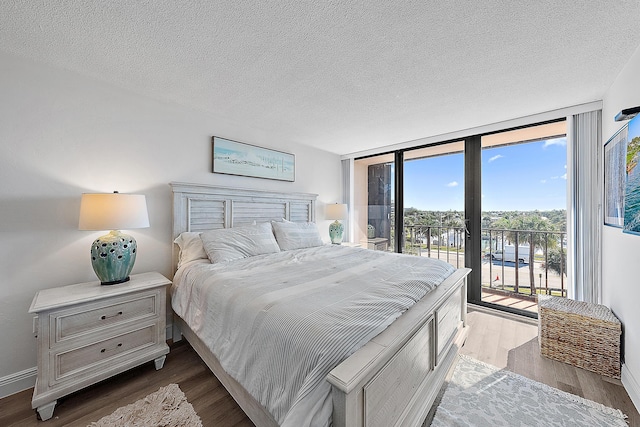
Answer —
(279, 323)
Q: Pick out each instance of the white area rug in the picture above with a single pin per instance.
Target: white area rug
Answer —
(483, 395)
(167, 407)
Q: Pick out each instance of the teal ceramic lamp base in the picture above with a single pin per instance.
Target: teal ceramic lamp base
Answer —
(113, 256)
(335, 232)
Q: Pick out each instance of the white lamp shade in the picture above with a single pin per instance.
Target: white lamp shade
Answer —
(337, 211)
(113, 211)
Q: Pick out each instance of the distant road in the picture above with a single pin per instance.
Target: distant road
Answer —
(499, 276)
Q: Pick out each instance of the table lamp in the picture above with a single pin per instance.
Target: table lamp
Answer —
(113, 255)
(336, 211)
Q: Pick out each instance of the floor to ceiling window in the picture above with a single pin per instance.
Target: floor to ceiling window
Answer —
(495, 203)
(524, 218)
(433, 188)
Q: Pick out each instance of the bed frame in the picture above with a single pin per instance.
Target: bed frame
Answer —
(392, 380)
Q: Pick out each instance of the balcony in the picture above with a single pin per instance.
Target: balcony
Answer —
(517, 265)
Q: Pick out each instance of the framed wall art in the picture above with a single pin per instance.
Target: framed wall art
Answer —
(238, 158)
(614, 178)
(632, 184)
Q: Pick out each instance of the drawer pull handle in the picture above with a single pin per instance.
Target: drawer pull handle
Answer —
(113, 315)
(104, 350)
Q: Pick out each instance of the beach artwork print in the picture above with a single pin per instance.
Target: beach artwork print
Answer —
(237, 158)
(632, 185)
(615, 151)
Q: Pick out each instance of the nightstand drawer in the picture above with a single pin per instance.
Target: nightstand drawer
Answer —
(71, 323)
(100, 355)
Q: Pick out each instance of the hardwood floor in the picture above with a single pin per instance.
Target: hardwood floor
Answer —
(500, 340)
(183, 367)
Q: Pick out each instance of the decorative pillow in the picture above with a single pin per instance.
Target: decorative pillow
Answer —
(293, 235)
(191, 247)
(227, 244)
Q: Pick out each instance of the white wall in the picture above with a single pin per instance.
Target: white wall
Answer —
(621, 252)
(62, 134)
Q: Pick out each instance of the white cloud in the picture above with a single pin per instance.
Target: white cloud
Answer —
(555, 177)
(564, 176)
(452, 184)
(496, 157)
(543, 181)
(555, 141)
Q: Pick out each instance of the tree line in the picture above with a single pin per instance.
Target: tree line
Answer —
(552, 222)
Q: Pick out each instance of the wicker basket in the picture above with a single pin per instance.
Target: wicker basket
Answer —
(580, 334)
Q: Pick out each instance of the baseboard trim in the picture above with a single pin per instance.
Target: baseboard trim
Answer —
(19, 381)
(632, 386)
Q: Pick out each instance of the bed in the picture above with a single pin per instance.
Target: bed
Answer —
(389, 376)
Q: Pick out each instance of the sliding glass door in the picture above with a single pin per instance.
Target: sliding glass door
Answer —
(524, 217)
(458, 201)
(433, 210)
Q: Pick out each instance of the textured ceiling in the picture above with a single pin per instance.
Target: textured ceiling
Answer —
(344, 76)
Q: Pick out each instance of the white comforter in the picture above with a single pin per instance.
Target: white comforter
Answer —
(278, 323)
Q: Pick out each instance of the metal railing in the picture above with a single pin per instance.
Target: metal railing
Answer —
(446, 243)
(517, 262)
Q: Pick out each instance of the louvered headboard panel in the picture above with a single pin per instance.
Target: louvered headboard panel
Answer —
(199, 207)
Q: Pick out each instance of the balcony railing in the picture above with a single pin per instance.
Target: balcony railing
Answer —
(516, 262)
(446, 243)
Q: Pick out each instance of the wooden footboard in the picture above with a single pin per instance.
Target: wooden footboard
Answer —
(392, 380)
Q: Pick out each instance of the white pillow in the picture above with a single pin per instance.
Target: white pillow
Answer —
(191, 247)
(293, 235)
(227, 244)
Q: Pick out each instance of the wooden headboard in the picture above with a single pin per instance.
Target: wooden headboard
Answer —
(199, 207)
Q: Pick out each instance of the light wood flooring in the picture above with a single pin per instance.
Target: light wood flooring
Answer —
(495, 339)
(182, 366)
(501, 341)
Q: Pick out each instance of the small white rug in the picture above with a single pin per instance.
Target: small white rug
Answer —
(483, 395)
(167, 407)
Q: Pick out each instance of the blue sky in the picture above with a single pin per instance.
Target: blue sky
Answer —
(521, 177)
(634, 128)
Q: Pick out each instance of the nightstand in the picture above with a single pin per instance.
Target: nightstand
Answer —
(377, 243)
(89, 332)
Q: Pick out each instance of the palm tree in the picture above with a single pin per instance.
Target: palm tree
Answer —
(528, 229)
(535, 226)
(557, 260)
